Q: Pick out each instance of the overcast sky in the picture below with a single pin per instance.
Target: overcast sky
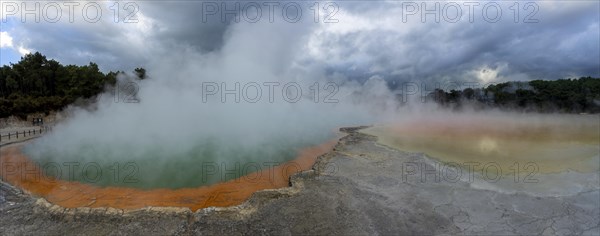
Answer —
(355, 40)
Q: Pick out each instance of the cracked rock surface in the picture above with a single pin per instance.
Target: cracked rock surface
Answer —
(359, 188)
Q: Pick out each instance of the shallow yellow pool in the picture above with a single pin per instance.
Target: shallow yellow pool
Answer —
(549, 143)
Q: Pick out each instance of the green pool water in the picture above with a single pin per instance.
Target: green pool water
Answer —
(205, 162)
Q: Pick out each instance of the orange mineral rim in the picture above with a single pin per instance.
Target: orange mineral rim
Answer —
(18, 170)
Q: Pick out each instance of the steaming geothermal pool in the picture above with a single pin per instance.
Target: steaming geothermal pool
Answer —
(234, 186)
(206, 163)
(543, 155)
(554, 143)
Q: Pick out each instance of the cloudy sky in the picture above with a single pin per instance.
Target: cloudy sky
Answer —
(395, 40)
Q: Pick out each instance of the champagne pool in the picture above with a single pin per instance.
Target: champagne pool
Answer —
(201, 163)
(190, 182)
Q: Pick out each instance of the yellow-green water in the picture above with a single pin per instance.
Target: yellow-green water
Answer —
(553, 143)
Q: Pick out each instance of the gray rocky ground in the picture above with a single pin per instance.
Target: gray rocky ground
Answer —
(357, 189)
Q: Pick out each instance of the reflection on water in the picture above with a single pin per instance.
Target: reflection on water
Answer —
(554, 143)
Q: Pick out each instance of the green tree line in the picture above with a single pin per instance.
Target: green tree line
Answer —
(563, 95)
(36, 84)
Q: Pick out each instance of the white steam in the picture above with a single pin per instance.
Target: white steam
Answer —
(177, 126)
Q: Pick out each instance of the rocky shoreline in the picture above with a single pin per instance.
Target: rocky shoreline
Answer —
(358, 188)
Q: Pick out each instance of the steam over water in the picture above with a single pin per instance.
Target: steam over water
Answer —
(543, 155)
(207, 162)
(554, 143)
(176, 140)
(181, 134)
(178, 135)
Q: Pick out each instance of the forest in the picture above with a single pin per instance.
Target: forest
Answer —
(580, 95)
(36, 84)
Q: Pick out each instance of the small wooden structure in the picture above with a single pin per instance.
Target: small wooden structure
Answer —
(37, 121)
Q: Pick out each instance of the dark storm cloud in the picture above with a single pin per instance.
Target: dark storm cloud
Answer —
(370, 39)
(161, 26)
(185, 23)
(563, 43)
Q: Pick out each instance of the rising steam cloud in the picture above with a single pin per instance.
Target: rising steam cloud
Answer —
(176, 127)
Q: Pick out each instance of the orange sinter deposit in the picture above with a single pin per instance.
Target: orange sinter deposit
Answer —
(19, 171)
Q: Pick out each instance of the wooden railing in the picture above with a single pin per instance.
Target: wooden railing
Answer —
(23, 134)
